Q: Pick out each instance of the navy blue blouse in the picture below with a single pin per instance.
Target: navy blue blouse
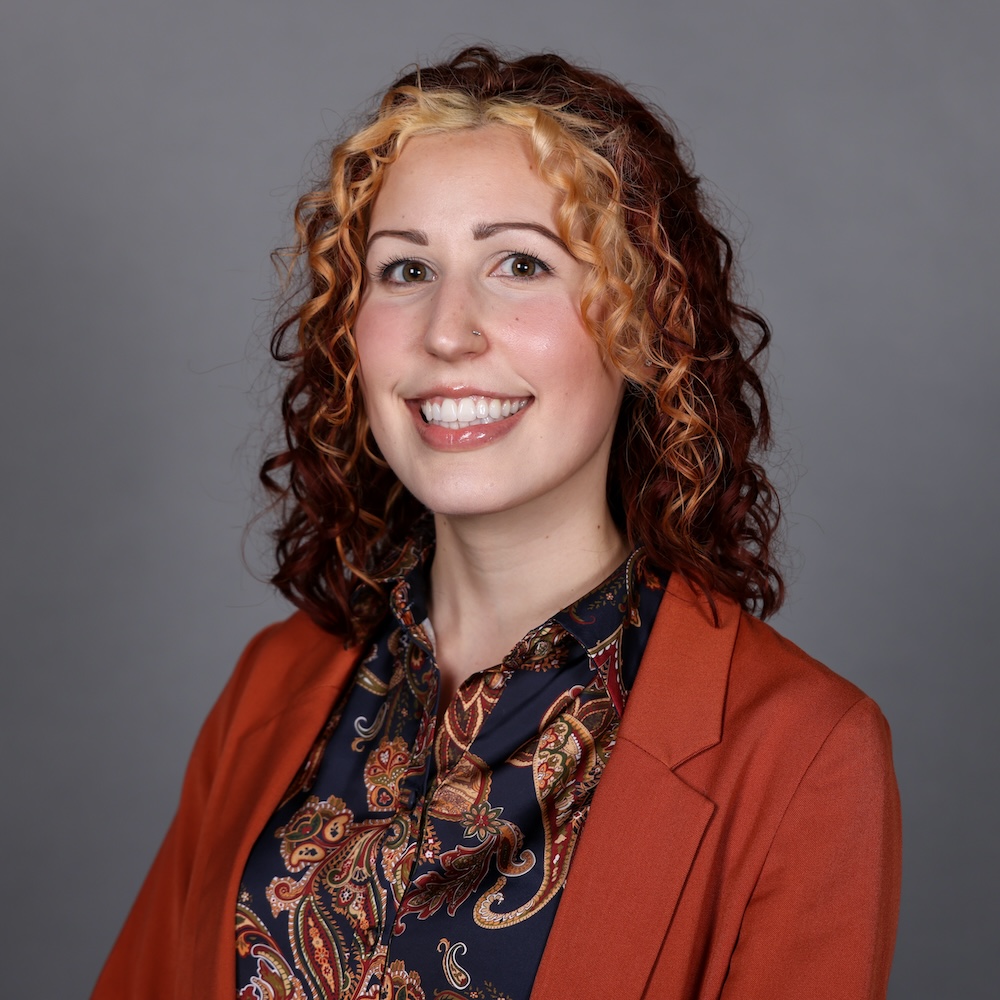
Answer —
(416, 860)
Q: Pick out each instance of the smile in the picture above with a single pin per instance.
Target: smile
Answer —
(469, 410)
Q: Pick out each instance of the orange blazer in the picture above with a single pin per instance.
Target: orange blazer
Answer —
(743, 842)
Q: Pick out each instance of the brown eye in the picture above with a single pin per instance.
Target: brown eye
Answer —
(412, 271)
(406, 271)
(523, 265)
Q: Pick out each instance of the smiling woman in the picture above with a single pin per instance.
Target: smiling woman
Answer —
(524, 737)
(545, 464)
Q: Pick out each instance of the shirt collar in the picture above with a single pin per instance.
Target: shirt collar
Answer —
(596, 620)
(597, 616)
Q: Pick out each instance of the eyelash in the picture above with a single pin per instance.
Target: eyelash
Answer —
(546, 268)
(385, 269)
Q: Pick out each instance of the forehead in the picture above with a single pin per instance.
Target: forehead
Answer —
(480, 171)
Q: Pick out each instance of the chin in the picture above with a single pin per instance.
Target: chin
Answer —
(455, 509)
(456, 502)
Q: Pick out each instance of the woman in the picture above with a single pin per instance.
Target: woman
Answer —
(523, 737)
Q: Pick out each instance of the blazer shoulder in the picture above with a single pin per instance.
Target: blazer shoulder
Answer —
(790, 714)
(713, 675)
(281, 662)
(768, 669)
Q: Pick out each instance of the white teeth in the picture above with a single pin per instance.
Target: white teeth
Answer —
(456, 414)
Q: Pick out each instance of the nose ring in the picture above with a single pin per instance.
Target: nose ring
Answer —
(477, 333)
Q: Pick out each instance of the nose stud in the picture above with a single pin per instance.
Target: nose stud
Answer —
(477, 333)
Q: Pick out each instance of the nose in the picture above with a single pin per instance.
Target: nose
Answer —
(453, 331)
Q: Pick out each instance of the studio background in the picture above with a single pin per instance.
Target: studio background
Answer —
(151, 155)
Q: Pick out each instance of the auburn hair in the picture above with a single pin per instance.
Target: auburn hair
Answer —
(684, 479)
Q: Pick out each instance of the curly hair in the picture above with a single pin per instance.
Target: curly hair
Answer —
(684, 481)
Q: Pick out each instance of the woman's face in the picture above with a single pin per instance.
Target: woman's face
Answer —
(463, 238)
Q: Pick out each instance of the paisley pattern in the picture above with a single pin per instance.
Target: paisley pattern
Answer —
(411, 859)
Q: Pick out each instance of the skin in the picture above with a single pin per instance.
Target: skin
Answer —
(463, 237)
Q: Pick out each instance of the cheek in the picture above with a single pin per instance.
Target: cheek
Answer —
(565, 356)
(363, 335)
(587, 387)
(375, 352)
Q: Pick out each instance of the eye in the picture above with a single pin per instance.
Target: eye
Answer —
(523, 265)
(405, 272)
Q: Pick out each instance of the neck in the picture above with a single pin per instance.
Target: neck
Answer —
(494, 578)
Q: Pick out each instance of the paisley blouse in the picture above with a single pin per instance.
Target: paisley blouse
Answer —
(416, 860)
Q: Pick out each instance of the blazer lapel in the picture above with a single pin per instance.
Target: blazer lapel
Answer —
(646, 824)
(253, 777)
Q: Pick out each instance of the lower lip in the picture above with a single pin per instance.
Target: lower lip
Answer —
(464, 438)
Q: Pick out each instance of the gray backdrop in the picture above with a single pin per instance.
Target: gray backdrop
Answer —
(151, 154)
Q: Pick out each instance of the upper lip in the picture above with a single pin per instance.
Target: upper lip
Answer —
(463, 391)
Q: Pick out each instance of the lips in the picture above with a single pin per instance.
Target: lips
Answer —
(457, 413)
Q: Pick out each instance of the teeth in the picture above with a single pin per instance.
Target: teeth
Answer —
(456, 414)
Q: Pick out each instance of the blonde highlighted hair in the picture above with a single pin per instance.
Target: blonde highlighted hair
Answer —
(683, 481)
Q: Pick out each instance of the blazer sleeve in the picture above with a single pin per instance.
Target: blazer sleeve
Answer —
(821, 921)
(140, 964)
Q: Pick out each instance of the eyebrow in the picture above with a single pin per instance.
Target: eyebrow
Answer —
(485, 230)
(416, 236)
(482, 231)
